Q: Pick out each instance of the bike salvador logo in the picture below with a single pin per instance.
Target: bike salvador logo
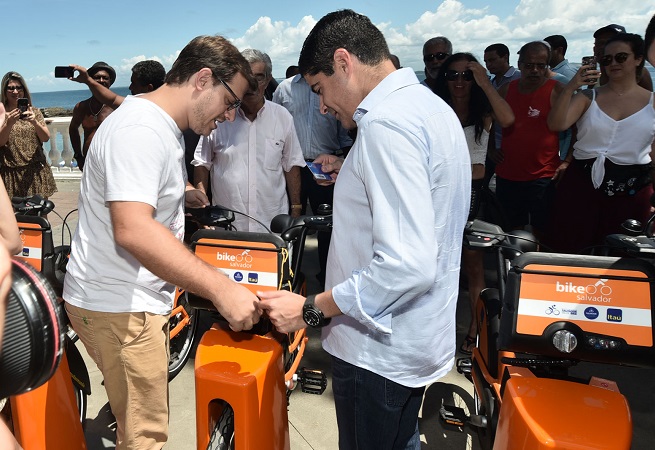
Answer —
(241, 260)
(598, 292)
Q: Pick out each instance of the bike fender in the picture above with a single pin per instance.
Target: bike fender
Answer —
(79, 372)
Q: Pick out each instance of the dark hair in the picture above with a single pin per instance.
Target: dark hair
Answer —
(556, 41)
(635, 42)
(149, 72)
(214, 52)
(342, 29)
(500, 49)
(292, 71)
(534, 46)
(439, 40)
(16, 77)
(479, 106)
(649, 36)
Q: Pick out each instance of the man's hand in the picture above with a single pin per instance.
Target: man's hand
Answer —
(284, 308)
(195, 198)
(238, 306)
(82, 76)
(330, 164)
(559, 172)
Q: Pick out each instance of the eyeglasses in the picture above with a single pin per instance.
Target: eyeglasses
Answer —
(237, 100)
(438, 56)
(452, 75)
(620, 58)
(14, 88)
(532, 66)
(261, 78)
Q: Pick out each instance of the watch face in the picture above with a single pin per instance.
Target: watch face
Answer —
(312, 317)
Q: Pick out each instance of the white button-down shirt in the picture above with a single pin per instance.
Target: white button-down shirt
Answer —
(400, 204)
(247, 161)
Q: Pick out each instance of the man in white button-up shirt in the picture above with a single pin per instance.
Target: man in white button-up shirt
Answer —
(255, 160)
(401, 201)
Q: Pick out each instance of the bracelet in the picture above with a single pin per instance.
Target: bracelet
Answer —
(296, 206)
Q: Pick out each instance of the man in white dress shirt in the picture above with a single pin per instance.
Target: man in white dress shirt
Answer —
(401, 201)
(255, 160)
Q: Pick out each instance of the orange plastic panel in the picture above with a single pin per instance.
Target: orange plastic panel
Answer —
(47, 417)
(539, 413)
(246, 371)
(31, 234)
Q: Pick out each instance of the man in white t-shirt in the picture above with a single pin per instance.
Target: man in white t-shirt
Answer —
(127, 256)
(255, 160)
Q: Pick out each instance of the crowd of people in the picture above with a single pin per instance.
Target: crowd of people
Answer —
(570, 151)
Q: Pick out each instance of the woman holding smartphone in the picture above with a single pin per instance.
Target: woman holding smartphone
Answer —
(23, 164)
(463, 84)
(609, 178)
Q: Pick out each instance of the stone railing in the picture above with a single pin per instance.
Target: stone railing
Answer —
(58, 149)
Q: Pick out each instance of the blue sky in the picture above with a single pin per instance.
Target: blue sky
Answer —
(42, 34)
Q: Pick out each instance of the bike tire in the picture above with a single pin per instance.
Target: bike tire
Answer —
(181, 345)
(222, 436)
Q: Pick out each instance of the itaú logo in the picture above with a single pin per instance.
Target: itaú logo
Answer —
(597, 292)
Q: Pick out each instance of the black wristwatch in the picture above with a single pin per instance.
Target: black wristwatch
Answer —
(312, 315)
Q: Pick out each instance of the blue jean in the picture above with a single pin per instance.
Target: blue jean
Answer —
(373, 412)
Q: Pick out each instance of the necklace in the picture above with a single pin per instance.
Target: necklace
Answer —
(95, 115)
(620, 94)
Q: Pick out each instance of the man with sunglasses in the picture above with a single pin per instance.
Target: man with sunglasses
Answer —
(528, 162)
(435, 52)
(127, 255)
(254, 160)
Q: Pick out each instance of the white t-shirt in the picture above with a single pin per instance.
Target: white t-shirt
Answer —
(248, 161)
(136, 155)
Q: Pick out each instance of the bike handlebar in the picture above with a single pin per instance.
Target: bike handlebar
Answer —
(32, 206)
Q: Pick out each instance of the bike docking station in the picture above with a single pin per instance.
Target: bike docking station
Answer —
(553, 311)
(243, 379)
(49, 411)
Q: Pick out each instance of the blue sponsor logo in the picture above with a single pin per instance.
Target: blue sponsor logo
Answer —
(591, 313)
(26, 251)
(238, 276)
(253, 278)
(614, 315)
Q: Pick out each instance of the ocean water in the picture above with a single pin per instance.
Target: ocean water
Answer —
(67, 99)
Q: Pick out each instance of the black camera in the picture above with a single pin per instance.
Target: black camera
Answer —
(33, 340)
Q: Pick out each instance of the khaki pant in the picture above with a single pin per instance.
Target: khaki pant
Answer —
(131, 351)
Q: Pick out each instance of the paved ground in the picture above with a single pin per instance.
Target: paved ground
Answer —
(312, 422)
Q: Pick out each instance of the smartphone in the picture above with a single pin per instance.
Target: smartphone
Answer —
(23, 104)
(318, 172)
(587, 61)
(64, 72)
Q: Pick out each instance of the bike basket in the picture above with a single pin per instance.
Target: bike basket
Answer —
(258, 261)
(605, 303)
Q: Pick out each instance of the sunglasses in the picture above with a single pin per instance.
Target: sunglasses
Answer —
(531, 66)
(620, 58)
(237, 101)
(14, 88)
(452, 75)
(438, 56)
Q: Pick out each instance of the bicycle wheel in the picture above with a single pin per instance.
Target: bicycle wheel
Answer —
(222, 437)
(182, 325)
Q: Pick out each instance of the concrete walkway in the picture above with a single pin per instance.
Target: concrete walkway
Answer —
(312, 421)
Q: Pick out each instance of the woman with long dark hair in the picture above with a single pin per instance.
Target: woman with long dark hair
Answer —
(463, 84)
(23, 164)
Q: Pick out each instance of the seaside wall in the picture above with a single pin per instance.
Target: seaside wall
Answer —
(58, 149)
